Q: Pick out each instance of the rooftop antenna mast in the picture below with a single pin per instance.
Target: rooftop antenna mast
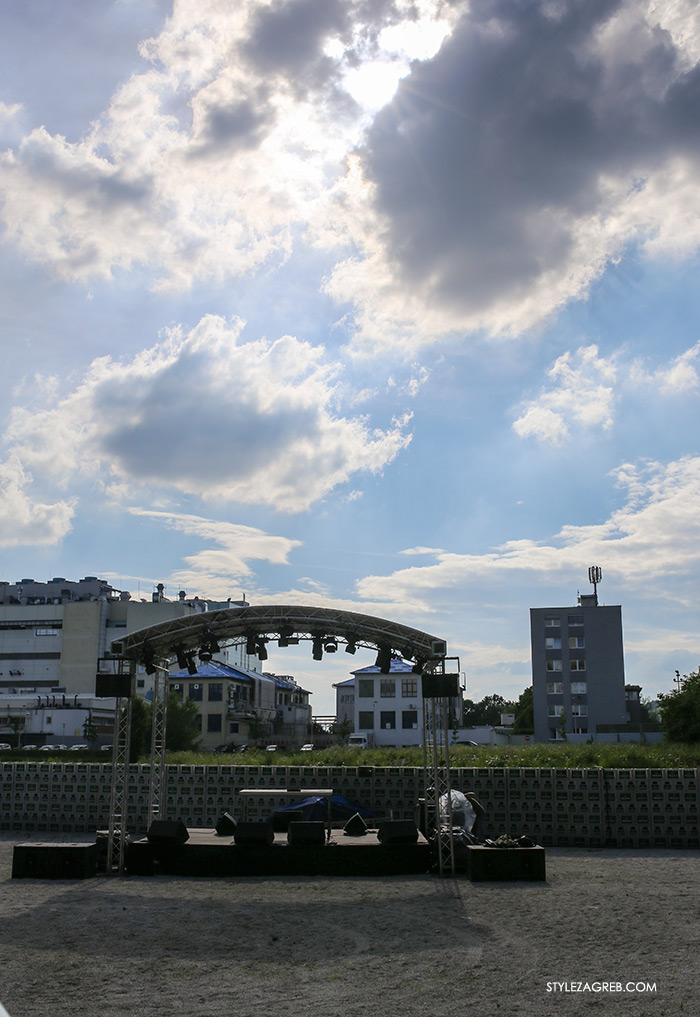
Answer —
(595, 575)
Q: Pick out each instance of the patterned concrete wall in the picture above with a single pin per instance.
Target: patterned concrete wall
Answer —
(578, 808)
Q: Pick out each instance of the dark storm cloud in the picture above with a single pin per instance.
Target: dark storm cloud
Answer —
(290, 35)
(235, 126)
(491, 150)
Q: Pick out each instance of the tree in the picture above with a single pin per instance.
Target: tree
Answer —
(181, 732)
(680, 710)
(486, 712)
(524, 713)
(140, 743)
(89, 730)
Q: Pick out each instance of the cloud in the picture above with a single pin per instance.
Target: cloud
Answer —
(24, 521)
(538, 144)
(213, 571)
(209, 416)
(654, 535)
(586, 388)
(584, 392)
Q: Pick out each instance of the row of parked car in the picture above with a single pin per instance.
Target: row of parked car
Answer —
(227, 747)
(6, 747)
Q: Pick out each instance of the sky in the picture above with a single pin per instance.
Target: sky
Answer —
(385, 305)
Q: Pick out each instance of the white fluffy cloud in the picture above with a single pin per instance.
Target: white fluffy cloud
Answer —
(654, 535)
(24, 520)
(207, 415)
(213, 571)
(584, 389)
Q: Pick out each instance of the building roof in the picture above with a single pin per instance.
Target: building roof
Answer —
(340, 685)
(398, 666)
(217, 669)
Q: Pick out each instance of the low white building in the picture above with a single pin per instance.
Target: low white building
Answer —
(388, 706)
(55, 718)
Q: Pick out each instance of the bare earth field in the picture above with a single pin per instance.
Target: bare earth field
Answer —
(401, 946)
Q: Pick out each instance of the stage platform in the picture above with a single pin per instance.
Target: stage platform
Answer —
(206, 853)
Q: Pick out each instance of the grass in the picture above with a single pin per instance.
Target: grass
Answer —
(608, 755)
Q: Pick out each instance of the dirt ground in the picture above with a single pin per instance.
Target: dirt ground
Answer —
(417, 945)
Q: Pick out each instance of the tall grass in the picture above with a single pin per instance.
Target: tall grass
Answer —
(608, 755)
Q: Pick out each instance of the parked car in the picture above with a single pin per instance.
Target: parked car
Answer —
(79, 748)
(270, 748)
(226, 747)
(4, 746)
(475, 744)
(309, 747)
(105, 748)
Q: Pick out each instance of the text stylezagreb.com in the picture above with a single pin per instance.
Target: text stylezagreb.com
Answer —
(601, 986)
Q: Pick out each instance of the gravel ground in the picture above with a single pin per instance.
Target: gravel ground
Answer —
(417, 945)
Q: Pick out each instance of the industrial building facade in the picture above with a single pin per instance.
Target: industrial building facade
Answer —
(578, 671)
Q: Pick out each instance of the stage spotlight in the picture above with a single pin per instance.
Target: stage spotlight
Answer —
(261, 649)
(250, 645)
(351, 644)
(204, 654)
(383, 661)
(318, 648)
(330, 645)
(148, 660)
(191, 666)
(181, 656)
(211, 643)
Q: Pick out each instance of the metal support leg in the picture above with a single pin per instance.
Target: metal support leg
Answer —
(157, 782)
(119, 785)
(437, 778)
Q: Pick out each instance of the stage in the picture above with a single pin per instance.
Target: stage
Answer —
(206, 853)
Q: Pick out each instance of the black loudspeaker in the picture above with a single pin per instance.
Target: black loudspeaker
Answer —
(168, 832)
(250, 834)
(307, 834)
(283, 817)
(402, 831)
(355, 826)
(226, 825)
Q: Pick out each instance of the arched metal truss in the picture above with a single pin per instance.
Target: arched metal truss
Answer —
(201, 634)
(285, 623)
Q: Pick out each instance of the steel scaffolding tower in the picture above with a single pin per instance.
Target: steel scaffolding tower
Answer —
(438, 688)
(157, 779)
(119, 785)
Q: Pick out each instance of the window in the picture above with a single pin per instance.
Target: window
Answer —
(554, 665)
(140, 683)
(216, 692)
(347, 699)
(552, 621)
(575, 620)
(579, 727)
(366, 688)
(577, 665)
(387, 720)
(365, 720)
(578, 688)
(387, 688)
(576, 642)
(579, 710)
(555, 710)
(552, 643)
(554, 688)
(45, 632)
(233, 727)
(409, 719)
(177, 688)
(196, 692)
(409, 688)
(214, 722)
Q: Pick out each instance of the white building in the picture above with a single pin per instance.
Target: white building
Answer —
(389, 706)
(55, 718)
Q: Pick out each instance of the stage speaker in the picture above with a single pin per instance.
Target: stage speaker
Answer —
(168, 832)
(355, 826)
(308, 834)
(402, 831)
(226, 825)
(251, 834)
(281, 819)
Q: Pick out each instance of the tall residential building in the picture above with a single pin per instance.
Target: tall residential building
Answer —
(578, 670)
